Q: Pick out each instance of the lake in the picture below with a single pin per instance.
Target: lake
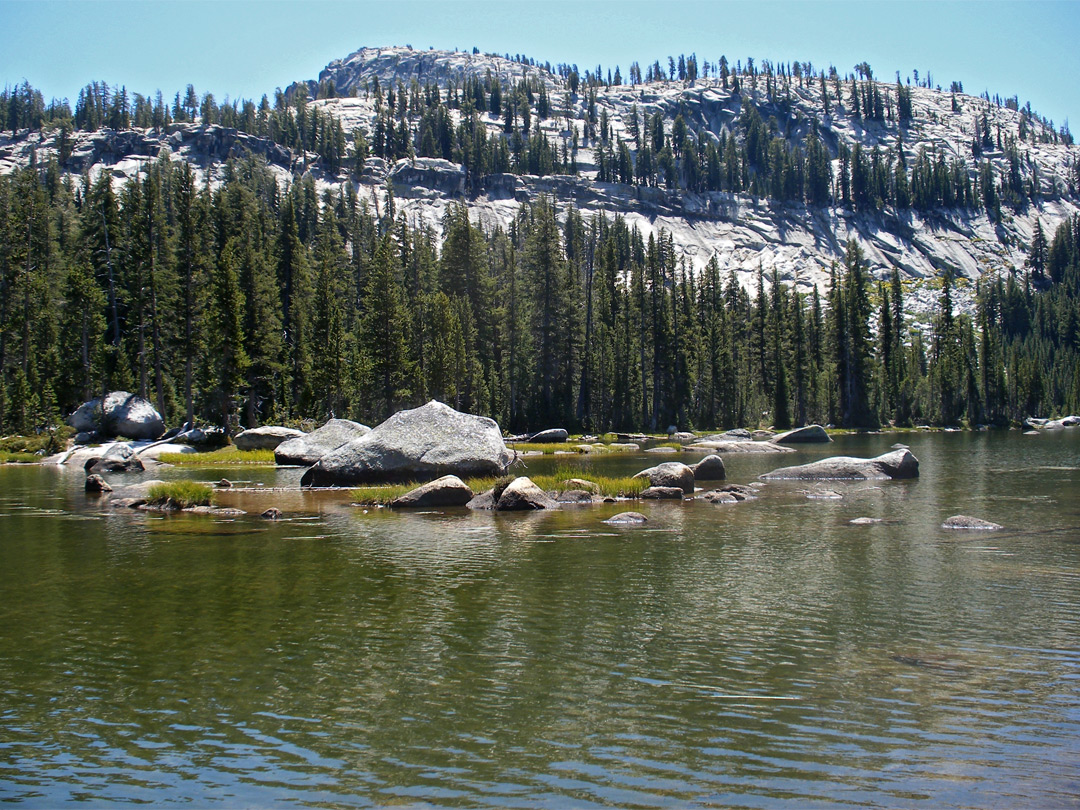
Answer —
(763, 654)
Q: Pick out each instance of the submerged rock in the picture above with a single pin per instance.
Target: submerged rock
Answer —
(973, 523)
(670, 474)
(446, 491)
(865, 521)
(421, 443)
(810, 433)
(267, 437)
(308, 448)
(897, 464)
(120, 414)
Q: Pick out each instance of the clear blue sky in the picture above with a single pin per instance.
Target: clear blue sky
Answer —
(245, 49)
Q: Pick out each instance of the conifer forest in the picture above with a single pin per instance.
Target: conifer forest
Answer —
(252, 300)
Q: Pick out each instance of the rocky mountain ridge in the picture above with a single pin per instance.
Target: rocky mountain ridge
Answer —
(742, 231)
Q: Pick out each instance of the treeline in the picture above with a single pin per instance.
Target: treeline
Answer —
(251, 303)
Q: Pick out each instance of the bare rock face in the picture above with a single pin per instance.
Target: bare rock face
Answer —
(435, 175)
(550, 436)
(418, 444)
(121, 414)
(267, 437)
(670, 474)
(897, 464)
(446, 491)
(970, 523)
(522, 494)
(710, 468)
(308, 448)
(803, 435)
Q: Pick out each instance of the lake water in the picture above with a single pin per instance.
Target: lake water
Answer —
(765, 654)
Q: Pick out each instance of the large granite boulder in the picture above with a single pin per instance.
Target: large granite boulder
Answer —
(267, 437)
(308, 448)
(418, 444)
(121, 414)
(803, 435)
(446, 491)
(897, 464)
(670, 474)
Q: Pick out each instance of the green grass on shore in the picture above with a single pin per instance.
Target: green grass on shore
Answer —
(225, 457)
(183, 494)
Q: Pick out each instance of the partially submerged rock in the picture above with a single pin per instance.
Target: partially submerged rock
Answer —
(897, 464)
(803, 435)
(575, 496)
(670, 474)
(120, 414)
(865, 521)
(710, 468)
(446, 491)
(308, 448)
(971, 523)
(550, 436)
(716, 496)
(522, 494)
(119, 458)
(417, 444)
(663, 493)
(95, 484)
(627, 519)
(739, 446)
(273, 513)
(267, 437)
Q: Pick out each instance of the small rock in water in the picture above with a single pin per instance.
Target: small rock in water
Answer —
(95, 484)
(965, 522)
(273, 513)
(865, 521)
(627, 519)
(224, 483)
(717, 496)
(550, 436)
(1031, 433)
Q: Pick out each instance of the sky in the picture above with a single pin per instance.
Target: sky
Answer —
(245, 49)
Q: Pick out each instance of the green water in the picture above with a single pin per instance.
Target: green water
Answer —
(757, 655)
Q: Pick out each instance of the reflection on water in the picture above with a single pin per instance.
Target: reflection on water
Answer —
(759, 654)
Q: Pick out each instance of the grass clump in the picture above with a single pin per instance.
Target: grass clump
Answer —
(225, 457)
(181, 494)
(610, 486)
(28, 449)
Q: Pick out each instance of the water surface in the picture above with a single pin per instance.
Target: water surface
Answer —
(764, 654)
